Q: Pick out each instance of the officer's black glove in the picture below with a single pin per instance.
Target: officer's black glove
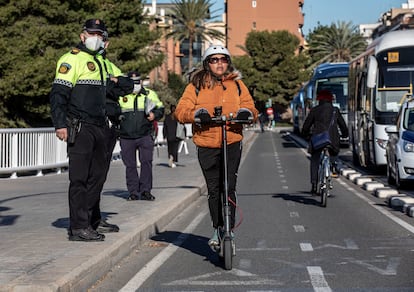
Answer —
(202, 117)
(244, 114)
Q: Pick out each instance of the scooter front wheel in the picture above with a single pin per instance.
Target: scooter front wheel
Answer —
(228, 254)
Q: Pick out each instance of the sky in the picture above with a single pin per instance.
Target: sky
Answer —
(328, 11)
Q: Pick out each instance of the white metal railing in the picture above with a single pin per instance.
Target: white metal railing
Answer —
(38, 149)
(31, 149)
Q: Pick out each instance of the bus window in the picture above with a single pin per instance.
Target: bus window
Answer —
(389, 101)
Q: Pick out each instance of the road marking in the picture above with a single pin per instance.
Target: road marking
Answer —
(318, 279)
(263, 249)
(210, 279)
(390, 269)
(245, 264)
(349, 244)
(306, 246)
(293, 214)
(397, 220)
(162, 257)
(299, 228)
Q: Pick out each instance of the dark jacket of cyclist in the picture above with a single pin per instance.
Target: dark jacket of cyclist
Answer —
(317, 122)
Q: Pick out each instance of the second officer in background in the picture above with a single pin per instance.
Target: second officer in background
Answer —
(139, 111)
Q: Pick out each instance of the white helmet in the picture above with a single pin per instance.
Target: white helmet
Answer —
(215, 49)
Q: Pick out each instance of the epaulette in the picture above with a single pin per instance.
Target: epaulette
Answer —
(75, 51)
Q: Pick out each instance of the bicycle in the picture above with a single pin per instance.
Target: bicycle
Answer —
(324, 184)
(226, 249)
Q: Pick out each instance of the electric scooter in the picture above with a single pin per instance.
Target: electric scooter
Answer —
(226, 249)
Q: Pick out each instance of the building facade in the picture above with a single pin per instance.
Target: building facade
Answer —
(244, 16)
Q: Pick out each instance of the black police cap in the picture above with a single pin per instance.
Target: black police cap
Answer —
(95, 25)
(134, 75)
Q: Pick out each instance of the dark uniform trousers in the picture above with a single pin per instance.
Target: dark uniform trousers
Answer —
(211, 162)
(138, 183)
(87, 172)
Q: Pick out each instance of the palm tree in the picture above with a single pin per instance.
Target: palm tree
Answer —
(338, 42)
(190, 24)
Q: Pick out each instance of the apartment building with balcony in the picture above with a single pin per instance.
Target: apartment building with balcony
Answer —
(244, 16)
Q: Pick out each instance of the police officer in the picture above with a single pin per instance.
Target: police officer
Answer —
(139, 111)
(79, 116)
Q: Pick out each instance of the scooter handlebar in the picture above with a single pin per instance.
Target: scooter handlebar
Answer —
(223, 119)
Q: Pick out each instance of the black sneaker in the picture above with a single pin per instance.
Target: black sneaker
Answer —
(105, 227)
(147, 196)
(134, 197)
(85, 234)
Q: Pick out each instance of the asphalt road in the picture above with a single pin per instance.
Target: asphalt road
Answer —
(285, 242)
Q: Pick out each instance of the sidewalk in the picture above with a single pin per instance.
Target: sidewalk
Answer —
(35, 253)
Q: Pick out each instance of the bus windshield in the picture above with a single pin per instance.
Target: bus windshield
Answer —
(339, 88)
(395, 78)
(394, 83)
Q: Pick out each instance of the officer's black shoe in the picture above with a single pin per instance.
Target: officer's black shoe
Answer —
(134, 197)
(147, 196)
(105, 227)
(85, 234)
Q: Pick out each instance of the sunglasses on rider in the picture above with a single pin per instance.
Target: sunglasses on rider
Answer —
(215, 60)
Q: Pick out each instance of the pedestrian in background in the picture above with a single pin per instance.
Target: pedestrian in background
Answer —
(217, 84)
(174, 133)
(139, 111)
(79, 117)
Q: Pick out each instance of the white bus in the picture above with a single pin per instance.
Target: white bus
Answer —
(379, 80)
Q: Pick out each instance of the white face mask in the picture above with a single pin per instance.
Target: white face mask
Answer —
(94, 43)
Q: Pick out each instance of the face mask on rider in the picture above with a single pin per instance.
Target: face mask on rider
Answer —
(94, 43)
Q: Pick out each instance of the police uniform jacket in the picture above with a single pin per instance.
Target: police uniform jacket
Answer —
(81, 86)
(318, 121)
(133, 122)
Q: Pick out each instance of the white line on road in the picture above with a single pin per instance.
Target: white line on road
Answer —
(306, 246)
(162, 257)
(318, 279)
(386, 213)
(294, 214)
(299, 228)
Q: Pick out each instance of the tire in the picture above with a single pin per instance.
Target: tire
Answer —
(390, 179)
(228, 254)
(324, 196)
(325, 190)
(398, 183)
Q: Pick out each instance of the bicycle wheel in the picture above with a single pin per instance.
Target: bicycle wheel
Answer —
(228, 254)
(324, 195)
(325, 186)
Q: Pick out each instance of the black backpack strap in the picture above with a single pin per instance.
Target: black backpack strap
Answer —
(238, 87)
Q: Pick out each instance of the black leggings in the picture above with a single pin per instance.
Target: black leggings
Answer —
(211, 162)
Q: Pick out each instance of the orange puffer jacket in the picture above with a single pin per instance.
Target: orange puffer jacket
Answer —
(226, 96)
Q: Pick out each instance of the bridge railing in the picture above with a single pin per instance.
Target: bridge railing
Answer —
(38, 149)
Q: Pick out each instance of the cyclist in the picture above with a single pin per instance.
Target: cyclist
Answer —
(217, 83)
(318, 121)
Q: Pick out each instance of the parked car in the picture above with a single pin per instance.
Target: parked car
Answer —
(400, 146)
